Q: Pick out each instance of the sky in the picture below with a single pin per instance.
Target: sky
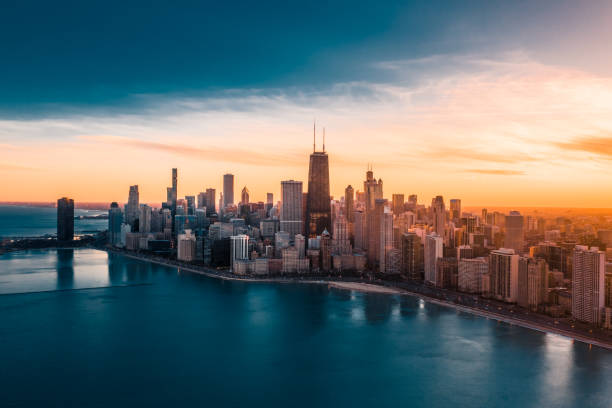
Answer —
(497, 103)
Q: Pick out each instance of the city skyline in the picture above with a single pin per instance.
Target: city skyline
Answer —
(511, 112)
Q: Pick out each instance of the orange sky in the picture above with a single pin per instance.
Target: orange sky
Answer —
(513, 132)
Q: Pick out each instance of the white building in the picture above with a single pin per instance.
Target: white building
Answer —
(186, 248)
(239, 248)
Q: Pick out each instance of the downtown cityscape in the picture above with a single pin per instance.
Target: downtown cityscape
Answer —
(555, 267)
(306, 204)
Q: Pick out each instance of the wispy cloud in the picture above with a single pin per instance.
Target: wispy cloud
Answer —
(15, 167)
(496, 172)
(229, 154)
(598, 145)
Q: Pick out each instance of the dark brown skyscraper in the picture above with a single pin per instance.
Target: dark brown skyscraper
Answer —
(349, 205)
(318, 206)
(65, 219)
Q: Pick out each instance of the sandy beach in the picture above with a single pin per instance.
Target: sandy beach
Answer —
(366, 287)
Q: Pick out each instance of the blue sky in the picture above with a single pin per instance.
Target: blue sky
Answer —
(101, 53)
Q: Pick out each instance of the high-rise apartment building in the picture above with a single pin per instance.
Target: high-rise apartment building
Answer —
(532, 282)
(291, 207)
(228, 190)
(470, 273)
(514, 231)
(588, 284)
(503, 272)
(387, 262)
(411, 255)
(239, 249)
(433, 250)
(186, 246)
(65, 219)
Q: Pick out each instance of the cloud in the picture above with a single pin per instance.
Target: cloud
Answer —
(14, 167)
(220, 154)
(496, 172)
(600, 146)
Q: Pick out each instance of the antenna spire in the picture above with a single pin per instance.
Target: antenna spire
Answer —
(314, 136)
(323, 140)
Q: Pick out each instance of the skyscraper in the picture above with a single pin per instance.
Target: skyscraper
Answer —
(455, 209)
(201, 200)
(434, 249)
(349, 204)
(385, 245)
(318, 206)
(397, 201)
(211, 198)
(65, 219)
(174, 188)
(144, 218)
(132, 207)
(373, 191)
(291, 207)
(191, 205)
(341, 244)
(503, 272)
(514, 231)
(374, 219)
(115, 219)
(244, 196)
(228, 189)
(588, 284)
(411, 256)
(532, 282)
(439, 215)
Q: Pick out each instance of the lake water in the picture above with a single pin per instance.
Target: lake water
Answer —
(22, 221)
(84, 328)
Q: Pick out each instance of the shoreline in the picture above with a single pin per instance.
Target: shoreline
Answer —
(386, 290)
(369, 287)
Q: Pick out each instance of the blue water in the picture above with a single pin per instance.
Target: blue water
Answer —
(83, 328)
(21, 221)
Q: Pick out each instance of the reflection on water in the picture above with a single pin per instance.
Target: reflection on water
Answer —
(263, 343)
(65, 268)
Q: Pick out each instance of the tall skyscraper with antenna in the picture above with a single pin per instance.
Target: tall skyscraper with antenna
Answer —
(318, 206)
